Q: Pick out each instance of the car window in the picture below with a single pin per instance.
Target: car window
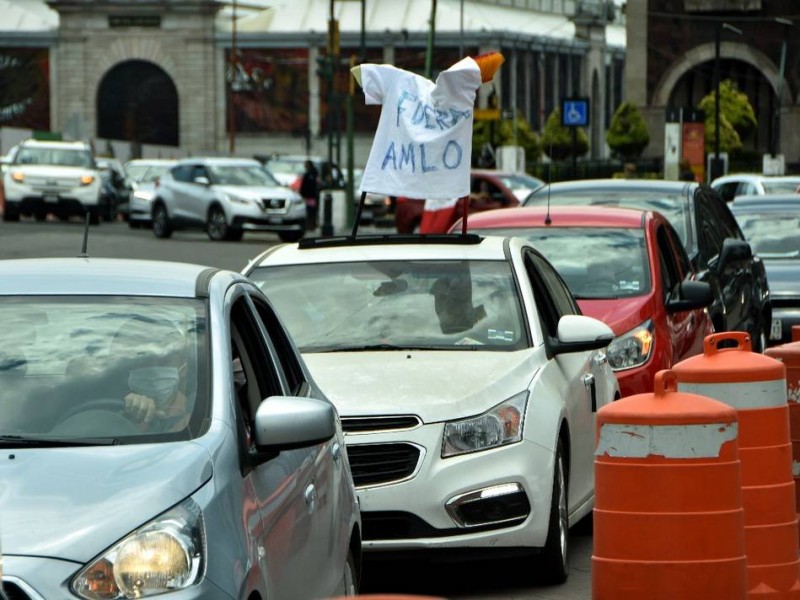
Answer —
(242, 175)
(670, 271)
(595, 262)
(727, 190)
(547, 307)
(440, 305)
(198, 171)
(709, 234)
(283, 348)
(772, 234)
(780, 186)
(67, 364)
(182, 173)
(674, 206)
(726, 220)
(679, 252)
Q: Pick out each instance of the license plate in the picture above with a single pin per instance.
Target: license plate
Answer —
(51, 198)
(776, 332)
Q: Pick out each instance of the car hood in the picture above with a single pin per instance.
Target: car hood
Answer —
(72, 503)
(434, 385)
(783, 276)
(254, 192)
(622, 314)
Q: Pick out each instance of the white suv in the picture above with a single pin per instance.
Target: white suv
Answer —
(51, 177)
(226, 197)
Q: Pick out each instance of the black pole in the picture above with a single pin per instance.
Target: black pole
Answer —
(716, 102)
(358, 213)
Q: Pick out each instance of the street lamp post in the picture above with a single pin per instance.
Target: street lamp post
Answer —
(776, 121)
(716, 168)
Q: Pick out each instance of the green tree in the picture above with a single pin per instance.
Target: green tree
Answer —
(628, 136)
(557, 140)
(737, 118)
(501, 133)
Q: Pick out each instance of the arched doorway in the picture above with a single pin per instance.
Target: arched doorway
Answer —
(137, 101)
(698, 82)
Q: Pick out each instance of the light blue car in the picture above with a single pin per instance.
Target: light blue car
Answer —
(160, 435)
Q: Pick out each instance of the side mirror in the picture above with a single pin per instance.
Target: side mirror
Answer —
(692, 295)
(579, 333)
(202, 181)
(288, 422)
(734, 250)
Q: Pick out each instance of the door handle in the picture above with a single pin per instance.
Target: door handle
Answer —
(600, 358)
(336, 451)
(588, 382)
(311, 497)
(588, 379)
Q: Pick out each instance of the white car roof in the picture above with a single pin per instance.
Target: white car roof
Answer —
(101, 276)
(489, 248)
(220, 160)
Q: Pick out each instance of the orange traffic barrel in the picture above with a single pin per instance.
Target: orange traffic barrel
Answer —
(668, 515)
(755, 385)
(789, 355)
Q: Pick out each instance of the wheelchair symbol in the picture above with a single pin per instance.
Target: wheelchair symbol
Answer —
(575, 113)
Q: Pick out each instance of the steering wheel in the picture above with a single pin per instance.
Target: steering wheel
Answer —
(116, 405)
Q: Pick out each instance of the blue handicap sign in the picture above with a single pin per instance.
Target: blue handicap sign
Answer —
(575, 112)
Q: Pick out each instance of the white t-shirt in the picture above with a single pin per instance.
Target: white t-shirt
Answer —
(423, 145)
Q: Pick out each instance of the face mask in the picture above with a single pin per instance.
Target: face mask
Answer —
(158, 383)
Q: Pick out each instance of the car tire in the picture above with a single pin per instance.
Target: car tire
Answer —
(217, 225)
(234, 234)
(291, 236)
(162, 228)
(40, 215)
(10, 215)
(553, 567)
(350, 579)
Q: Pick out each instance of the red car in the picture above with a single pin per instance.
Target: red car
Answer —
(505, 190)
(626, 267)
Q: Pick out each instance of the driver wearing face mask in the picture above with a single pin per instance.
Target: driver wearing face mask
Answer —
(155, 402)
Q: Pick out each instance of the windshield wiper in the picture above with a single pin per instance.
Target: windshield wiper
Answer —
(22, 441)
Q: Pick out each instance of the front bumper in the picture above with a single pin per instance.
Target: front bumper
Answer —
(253, 218)
(434, 507)
(35, 578)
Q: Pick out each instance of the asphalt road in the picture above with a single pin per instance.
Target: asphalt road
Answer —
(485, 580)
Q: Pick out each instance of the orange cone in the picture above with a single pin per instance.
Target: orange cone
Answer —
(755, 385)
(668, 517)
(789, 355)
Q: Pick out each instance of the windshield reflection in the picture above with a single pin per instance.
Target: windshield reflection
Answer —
(67, 363)
(397, 305)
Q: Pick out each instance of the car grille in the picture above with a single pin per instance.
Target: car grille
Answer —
(42, 183)
(14, 592)
(374, 424)
(376, 464)
(268, 204)
(399, 525)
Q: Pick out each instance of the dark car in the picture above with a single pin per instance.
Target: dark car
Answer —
(116, 189)
(505, 190)
(772, 226)
(717, 248)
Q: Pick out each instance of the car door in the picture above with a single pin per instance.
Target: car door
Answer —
(684, 327)
(578, 371)
(709, 239)
(335, 495)
(197, 197)
(283, 487)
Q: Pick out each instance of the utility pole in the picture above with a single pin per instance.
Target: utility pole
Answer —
(717, 168)
(231, 110)
(431, 42)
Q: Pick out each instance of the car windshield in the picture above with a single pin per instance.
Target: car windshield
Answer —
(242, 175)
(772, 234)
(67, 364)
(413, 304)
(674, 207)
(285, 167)
(145, 173)
(783, 186)
(62, 157)
(595, 262)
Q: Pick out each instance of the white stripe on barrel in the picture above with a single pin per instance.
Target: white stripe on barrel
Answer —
(670, 441)
(770, 393)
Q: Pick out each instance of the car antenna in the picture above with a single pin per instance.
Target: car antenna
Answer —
(547, 219)
(85, 237)
(358, 213)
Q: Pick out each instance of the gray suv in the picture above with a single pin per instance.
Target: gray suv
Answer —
(225, 197)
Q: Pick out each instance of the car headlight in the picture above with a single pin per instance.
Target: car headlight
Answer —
(87, 179)
(633, 348)
(165, 555)
(18, 176)
(499, 426)
(145, 195)
(236, 199)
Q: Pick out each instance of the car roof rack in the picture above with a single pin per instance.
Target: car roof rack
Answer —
(389, 239)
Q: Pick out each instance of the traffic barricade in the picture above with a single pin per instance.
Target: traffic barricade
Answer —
(789, 355)
(755, 385)
(668, 516)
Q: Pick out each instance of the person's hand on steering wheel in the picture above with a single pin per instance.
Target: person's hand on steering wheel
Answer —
(141, 409)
